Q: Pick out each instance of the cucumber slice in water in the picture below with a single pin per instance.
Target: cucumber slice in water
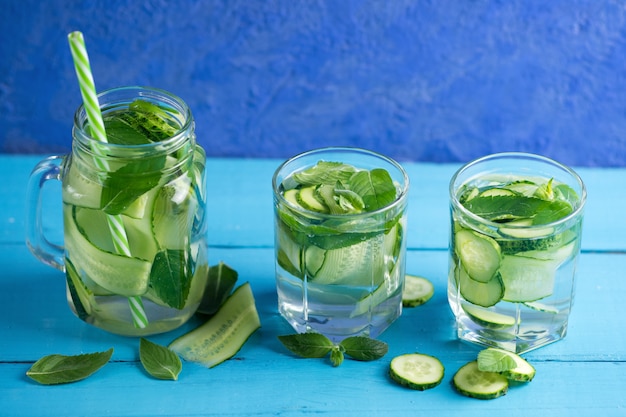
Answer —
(416, 371)
(173, 214)
(527, 279)
(224, 334)
(487, 318)
(306, 198)
(485, 294)
(479, 254)
(360, 264)
(118, 274)
(472, 382)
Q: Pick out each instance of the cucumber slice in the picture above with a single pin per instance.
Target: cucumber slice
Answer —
(361, 264)
(173, 214)
(484, 294)
(117, 274)
(508, 364)
(487, 318)
(292, 197)
(224, 334)
(496, 192)
(417, 291)
(79, 190)
(416, 371)
(307, 198)
(479, 254)
(472, 382)
(527, 279)
(544, 308)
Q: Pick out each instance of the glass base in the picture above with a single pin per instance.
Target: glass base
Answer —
(530, 339)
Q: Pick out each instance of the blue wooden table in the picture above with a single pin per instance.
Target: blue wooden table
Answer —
(582, 375)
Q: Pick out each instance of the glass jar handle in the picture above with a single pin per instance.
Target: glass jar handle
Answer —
(44, 250)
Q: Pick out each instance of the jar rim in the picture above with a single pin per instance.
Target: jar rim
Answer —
(118, 97)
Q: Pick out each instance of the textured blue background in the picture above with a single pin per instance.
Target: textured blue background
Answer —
(438, 80)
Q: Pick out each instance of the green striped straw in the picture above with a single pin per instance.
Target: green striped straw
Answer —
(94, 116)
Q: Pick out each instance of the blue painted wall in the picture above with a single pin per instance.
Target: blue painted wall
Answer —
(438, 80)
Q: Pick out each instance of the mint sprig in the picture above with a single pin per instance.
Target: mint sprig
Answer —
(316, 345)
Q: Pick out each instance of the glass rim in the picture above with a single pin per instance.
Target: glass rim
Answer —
(576, 212)
(80, 118)
(402, 195)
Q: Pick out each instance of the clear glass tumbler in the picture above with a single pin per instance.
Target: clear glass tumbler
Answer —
(340, 239)
(516, 224)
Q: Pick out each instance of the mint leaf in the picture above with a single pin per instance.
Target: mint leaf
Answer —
(495, 360)
(498, 208)
(170, 277)
(324, 173)
(159, 361)
(122, 187)
(375, 187)
(221, 280)
(307, 345)
(364, 348)
(62, 369)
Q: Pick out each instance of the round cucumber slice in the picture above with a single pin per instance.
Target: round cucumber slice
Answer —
(416, 371)
(484, 294)
(479, 254)
(417, 290)
(472, 382)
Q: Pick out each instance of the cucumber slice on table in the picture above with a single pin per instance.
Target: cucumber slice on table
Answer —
(479, 254)
(509, 364)
(417, 290)
(224, 334)
(472, 382)
(416, 371)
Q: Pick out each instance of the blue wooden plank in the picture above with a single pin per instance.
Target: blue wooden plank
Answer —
(269, 388)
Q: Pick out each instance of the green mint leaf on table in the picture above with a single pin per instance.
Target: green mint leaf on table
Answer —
(221, 280)
(170, 277)
(375, 187)
(364, 348)
(307, 345)
(495, 360)
(159, 361)
(62, 369)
